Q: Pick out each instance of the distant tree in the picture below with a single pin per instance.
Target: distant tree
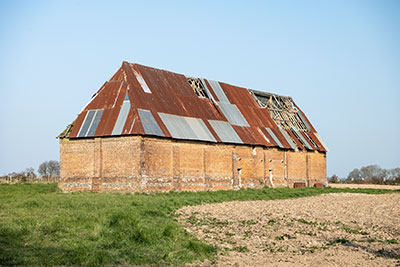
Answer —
(42, 170)
(394, 174)
(371, 173)
(354, 176)
(29, 173)
(49, 168)
(334, 179)
(374, 174)
(53, 168)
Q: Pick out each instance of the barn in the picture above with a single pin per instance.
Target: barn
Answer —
(152, 130)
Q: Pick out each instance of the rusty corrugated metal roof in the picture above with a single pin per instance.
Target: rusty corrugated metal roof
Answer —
(137, 93)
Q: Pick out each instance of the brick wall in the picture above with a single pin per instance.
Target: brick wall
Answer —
(150, 164)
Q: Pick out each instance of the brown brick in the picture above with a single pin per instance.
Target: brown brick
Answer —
(150, 164)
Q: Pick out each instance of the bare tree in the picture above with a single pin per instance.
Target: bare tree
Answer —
(371, 173)
(374, 174)
(354, 176)
(50, 170)
(30, 173)
(42, 170)
(53, 168)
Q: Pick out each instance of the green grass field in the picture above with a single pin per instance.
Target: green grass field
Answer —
(41, 226)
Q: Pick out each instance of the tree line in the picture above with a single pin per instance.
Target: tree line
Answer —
(371, 174)
(48, 171)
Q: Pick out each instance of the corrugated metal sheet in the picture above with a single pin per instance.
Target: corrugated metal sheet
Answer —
(271, 133)
(86, 123)
(208, 91)
(142, 82)
(177, 126)
(299, 135)
(95, 122)
(218, 91)
(186, 128)
(286, 135)
(263, 135)
(200, 129)
(139, 93)
(149, 124)
(123, 114)
(225, 132)
(90, 123)
(233, 114)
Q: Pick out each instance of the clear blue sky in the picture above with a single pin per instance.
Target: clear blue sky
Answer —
(339, 60)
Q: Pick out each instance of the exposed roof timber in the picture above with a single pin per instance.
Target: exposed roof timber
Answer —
(176, 106)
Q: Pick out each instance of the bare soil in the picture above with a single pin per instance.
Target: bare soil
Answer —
(374, 186)
(327, 230)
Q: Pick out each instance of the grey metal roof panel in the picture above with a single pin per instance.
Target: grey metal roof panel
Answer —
(271, 133)
(178, 126)
(225, 131)
(186, 127)
(86, 123)
(173, 125)
(149, 124)
(160, 91)
(207, 90)
(123, 114)
(233, 114)
(200, 129)
(218, 91)
(95, 122)
(287, 137)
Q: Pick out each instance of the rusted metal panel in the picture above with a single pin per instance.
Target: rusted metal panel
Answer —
(78, 123)
(303, 139)
(322, 142)
(113, 99)
(229, 114)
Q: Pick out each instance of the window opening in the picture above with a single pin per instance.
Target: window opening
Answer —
(197, 87)
(281, 108)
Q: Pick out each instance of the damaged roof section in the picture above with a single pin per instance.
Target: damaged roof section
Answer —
(140, 100)
(282, 110)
